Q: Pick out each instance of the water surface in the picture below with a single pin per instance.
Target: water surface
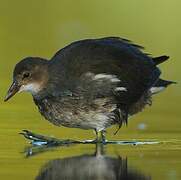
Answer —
(40, 28)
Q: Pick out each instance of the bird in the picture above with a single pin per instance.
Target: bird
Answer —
(91, 83)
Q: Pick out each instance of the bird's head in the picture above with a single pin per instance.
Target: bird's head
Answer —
(31, 75)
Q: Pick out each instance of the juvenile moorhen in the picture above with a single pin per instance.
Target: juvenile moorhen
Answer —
(91, 83)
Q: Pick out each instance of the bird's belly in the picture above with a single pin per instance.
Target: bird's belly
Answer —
(76, 117)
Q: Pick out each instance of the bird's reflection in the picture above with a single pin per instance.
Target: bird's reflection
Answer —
(97, 166)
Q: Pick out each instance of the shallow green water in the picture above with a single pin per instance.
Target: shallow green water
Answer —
(40, 28)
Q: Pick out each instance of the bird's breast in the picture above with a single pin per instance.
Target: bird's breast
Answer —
(77, 114)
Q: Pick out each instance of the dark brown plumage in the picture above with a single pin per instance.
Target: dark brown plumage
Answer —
(92, 83)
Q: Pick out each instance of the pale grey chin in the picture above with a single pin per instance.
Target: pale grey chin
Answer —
(32, 88)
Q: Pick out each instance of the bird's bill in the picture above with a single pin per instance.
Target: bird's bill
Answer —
(14, 88)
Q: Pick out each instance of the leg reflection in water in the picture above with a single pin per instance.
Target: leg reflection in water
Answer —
(97, 166)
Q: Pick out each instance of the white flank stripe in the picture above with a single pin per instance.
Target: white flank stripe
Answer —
(112, 78)
(120, 89)
(155, 90)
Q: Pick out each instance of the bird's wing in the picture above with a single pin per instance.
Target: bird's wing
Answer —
(92, 66)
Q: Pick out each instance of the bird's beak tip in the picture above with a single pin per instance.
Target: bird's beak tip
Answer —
(14, 88)
(5, 99)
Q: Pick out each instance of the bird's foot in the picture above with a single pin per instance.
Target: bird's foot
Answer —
(39, 140)
(42, 140)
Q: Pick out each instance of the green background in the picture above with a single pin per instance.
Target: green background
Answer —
(42, 27)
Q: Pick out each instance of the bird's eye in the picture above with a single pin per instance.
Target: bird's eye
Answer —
(26, 75)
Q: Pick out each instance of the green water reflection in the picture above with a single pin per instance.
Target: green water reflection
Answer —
(40, 28)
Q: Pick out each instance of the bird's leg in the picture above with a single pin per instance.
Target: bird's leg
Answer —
(100, 136)
(103, 133)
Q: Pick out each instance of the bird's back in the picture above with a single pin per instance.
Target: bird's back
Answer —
(111, 56)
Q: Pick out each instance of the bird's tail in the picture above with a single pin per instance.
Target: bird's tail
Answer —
(160, 59)
(160, 86)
